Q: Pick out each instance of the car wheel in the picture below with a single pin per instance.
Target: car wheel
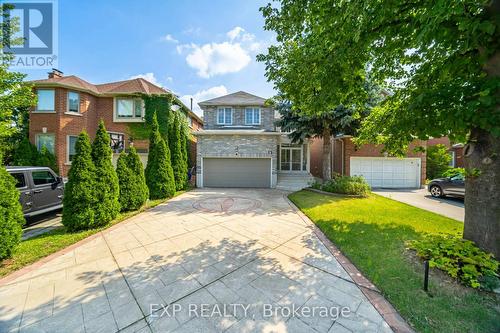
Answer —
(436, 191)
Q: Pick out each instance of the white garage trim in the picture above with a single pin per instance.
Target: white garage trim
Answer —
(389, 172)
(202, 171)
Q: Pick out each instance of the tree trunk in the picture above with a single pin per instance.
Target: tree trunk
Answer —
(482, 198)
(327, 150)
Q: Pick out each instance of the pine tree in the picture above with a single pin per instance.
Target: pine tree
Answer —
(177, 159)
(11, 214)
(106, 184)
(125, 182)
(141, 189)
(159, 173)
(133, 189)
(46, 158)
(79, 192)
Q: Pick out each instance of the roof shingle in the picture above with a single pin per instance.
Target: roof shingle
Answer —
(237, 98)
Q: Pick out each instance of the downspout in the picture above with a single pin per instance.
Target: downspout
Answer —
(342, 151)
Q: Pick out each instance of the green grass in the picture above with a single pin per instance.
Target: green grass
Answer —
(372, 233)
(36, 248)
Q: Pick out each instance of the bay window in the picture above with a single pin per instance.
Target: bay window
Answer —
(46, 100)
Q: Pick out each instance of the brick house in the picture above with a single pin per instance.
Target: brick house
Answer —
(68, 104)
(368, 161)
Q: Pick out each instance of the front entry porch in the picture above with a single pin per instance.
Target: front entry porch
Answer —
(293, 168)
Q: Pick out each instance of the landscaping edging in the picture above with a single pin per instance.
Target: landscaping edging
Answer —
(333, 194)
(372, 293)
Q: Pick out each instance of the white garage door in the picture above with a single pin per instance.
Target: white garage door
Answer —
(236, 172)
(387, 172)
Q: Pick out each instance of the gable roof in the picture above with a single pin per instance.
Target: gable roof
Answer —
(237, 98)
(131, 86)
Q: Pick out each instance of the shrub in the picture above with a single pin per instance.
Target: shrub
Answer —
(438, 160)
(11, 214)
(106, 180)
(454, 171)
(159, 173)
(177, 158)
(79, 192)
(459, 258)
(355, 185)
(133, 189)
(26, 154)
(316, 185)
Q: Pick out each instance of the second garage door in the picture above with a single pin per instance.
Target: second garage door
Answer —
(387, 172)
(236, 172)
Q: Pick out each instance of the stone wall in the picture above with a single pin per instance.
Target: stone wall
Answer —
(210, 118)
(237, 146)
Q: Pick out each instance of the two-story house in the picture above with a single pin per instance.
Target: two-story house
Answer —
(68, 104)
(241, 147)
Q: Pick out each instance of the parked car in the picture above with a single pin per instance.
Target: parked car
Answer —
(41, 189)
(441, 187)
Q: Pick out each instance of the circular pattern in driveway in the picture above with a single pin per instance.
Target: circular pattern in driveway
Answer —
(226, 204)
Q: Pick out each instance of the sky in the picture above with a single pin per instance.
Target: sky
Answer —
(201, 49)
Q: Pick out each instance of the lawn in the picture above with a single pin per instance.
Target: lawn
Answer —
(36, 248)
(372, 233)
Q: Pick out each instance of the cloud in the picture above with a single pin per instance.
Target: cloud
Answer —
(203, 95)
(169, 38)
(218, 58)
(234, 33)
(229, 56)
(148, 77)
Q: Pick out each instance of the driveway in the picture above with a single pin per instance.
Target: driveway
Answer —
(223, 260)
(449, 206)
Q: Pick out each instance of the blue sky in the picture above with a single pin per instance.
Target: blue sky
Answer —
(199, 48)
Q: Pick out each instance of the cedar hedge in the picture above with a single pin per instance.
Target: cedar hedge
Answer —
(11, 214)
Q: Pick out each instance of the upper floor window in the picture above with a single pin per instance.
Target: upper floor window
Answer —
(128, 109)
(224, 116)
(46, 100)
(252, 116)
(46, 140)
(73, 102)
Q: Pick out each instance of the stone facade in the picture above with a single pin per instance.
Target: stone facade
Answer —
(266, 115)
(237, 146)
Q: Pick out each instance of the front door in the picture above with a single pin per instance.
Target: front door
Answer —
(291, 159)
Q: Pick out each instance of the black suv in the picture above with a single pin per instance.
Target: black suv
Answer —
(41, 190)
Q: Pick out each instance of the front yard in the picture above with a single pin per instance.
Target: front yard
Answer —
(372, 233)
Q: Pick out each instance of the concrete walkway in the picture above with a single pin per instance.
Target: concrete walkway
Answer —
(421, 198)
(206, 261)
(41, 224)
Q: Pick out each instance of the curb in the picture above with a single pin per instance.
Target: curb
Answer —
(372, 293)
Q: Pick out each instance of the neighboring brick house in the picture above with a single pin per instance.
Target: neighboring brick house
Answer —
(67, 105)
(379, 169)
(240, 146)
(455, 150)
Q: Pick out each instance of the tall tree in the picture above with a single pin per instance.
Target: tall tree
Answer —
(106, 180)
(16, 95)
(176, 151)
(159, 173)
(79, 192)
(11, 215)
(440, 59)
(324, 125)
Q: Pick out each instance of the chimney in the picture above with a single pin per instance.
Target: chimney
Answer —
(55, 73)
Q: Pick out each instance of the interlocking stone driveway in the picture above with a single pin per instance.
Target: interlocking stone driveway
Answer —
(215, 247)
